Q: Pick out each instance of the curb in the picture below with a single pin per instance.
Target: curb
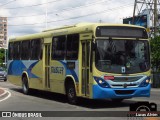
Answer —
(4, 94)
(1, 91)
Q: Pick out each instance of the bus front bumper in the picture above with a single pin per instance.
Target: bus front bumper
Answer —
(123, 93)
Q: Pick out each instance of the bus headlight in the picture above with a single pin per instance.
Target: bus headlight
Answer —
(101, 82)
(145, 82)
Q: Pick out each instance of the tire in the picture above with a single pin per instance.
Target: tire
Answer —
(25, 86)
(5, 80)
(117, 100)
(71, 93)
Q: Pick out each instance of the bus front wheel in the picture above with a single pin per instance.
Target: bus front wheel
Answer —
(25, 86)
(71, 93)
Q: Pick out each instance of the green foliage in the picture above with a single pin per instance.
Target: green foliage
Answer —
(2, 56)
(155, 52)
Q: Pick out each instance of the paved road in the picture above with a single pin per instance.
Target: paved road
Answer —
(45, 101)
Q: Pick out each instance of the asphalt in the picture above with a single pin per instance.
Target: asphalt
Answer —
(4, 93)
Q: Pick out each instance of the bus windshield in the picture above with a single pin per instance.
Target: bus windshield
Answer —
(122, 56)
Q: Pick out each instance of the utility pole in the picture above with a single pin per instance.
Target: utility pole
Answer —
(46, 16)
(135, 3)
(150, 8)
(155, 17)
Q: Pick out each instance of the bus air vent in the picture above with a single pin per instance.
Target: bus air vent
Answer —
(124, 92)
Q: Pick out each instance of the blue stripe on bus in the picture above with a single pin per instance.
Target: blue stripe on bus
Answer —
(70, 71)
(17, 67)
(30, 68)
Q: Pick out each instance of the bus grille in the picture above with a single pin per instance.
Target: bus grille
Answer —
(124, 92)
(121, 85)
(127, 78)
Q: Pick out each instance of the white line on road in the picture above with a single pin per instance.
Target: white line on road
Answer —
(9, 94)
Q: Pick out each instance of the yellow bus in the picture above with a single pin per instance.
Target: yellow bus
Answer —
(90, 60)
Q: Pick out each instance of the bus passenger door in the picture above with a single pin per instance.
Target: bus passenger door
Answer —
(47, 65)
(85, 67)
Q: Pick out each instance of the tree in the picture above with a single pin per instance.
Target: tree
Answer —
(2, 56)
(155, 52)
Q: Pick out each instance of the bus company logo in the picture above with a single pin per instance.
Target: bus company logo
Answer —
(125, 85)
(57, 70)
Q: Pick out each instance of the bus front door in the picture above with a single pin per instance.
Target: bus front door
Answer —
(85, 67)
(47, 66)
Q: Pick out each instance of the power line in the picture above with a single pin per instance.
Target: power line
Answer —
(112, 9)
(68, 9)
(34, 5)
(100, 12)
(7, 3)
(65, 9)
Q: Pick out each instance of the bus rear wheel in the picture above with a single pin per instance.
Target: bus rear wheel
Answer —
(71, 93)
(25, 85)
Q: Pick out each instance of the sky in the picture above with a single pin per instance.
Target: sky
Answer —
(32, 16)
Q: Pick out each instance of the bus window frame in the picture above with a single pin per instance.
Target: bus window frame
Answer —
(65, 50)
(38, 55)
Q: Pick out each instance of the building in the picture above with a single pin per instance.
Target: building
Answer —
(3, 32)
(140, 20)
(144, 19)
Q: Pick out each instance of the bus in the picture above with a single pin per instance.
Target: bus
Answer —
(89, 60)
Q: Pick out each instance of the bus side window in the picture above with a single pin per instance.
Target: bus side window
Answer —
(10, 54)
(17, 50)
(72, 47)
(35, 49)
(25, 50)
(58, 47)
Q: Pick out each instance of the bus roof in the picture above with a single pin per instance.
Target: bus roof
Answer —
(77, 28)
(92, 25)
